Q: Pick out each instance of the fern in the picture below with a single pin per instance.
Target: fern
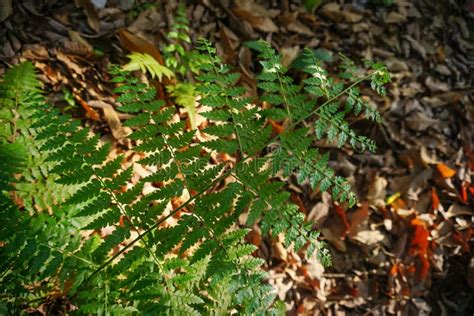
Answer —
(177, 54)
(289, 101)
(35, 237)
(147, 64)
(20, 93)
(144, 262)
(184, 62)
(182, 166)
(185, 95)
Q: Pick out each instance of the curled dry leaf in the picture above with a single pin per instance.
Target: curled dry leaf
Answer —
(336, 13)
(436, 85)
(80, 42)
(357, 218)
(111, 117)
(371, 237)
(289, 55)
(90, 112)
(137, 44)
(334, 239)
(416, 46)
(419, 121)
(318, 213)
(70, 63)
(395, 17)
(93, 18)
(258, 16)
(377, 191)
(5, 9)
(278, 249)
(435, 204)
(35, 52)
(457, 210)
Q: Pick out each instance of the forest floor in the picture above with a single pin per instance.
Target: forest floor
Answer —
(406, 247)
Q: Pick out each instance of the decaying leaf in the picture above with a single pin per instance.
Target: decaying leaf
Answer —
(256, 15)
(377, 191)
(457, 210)
(370, 237)
(111, 117)
(335, 240)
(135, 43)
(335, 12)
(91, 13)
(357, 218)
(5, 9)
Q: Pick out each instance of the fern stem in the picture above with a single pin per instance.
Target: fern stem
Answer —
(69, 254)
(15, 113)
(322, 105)
(355, 83)
(239, 141)
(283, 94)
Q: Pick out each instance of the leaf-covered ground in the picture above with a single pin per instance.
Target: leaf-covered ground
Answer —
(406, 247)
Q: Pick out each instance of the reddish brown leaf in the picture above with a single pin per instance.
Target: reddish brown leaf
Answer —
(394, 270)
(123, 219)
(297, 200)
(411, 269)
(425, 266)
(254, 238)
(314, 282)
(434, 199)
(445, 171)
(137, 44)
(342, 215)
(90, 112)
(399, 204)
(419, 242)
(440, 53)
(176, 203)
(463, 238)
(300, 309)
(419, 246)
(357, 218)
(276, 128)
(463, 192)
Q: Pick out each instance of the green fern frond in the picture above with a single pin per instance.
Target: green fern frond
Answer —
(110, 246)
(185, 95)
(147, 64)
